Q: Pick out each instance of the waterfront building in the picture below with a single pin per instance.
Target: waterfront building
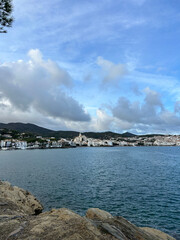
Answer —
(81, 140)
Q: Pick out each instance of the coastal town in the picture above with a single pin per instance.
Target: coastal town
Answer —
(24, 141)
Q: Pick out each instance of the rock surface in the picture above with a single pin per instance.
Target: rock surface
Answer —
(21, 198)
(157, 233)
(20, 219)
(98, 214)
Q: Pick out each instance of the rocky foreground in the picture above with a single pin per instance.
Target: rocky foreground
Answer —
(21, 218)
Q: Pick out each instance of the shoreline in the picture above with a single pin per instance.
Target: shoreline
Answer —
(16, 149)
(21, 218)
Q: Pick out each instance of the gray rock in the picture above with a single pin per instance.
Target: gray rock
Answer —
(98, 214)
(124, 227)
(20, 219)
(160, 235)
(62, 224)
(21, 198)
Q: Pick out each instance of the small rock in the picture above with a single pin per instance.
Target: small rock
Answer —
(98, 214)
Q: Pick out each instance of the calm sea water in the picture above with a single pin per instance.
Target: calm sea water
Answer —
(141, 184)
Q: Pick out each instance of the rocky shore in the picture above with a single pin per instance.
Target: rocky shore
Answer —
(21, 218)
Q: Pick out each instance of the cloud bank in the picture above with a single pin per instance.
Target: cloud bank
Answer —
(148, 115)
(41, 92)
(40, 85)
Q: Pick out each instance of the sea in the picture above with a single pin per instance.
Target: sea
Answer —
(141, 184)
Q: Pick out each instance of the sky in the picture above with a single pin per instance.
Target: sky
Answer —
(93, 65)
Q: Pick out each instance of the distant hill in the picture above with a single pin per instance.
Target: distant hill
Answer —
(36, 130)
(127, 134)
(27, 128)
(107, 135)
(152, 135)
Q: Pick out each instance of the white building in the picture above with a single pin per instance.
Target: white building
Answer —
(6, 143)
(20, 145)
(81, 140)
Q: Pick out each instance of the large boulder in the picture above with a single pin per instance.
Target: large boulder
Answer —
(123, 229)
(16, 208)
(21, 198)
(98, 214)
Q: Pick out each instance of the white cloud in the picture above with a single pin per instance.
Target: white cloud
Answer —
(105, 122)
(137, 112)
(111, 72)
(102, 121)
(162, 82)
(40, 85)
(147, 115)
(152, 98)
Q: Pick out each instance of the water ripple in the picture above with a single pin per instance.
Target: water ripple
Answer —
(141, 184)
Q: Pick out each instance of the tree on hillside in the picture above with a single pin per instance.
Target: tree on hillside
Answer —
(5, 15)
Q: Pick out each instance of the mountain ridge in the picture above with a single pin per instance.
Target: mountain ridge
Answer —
(45, 132)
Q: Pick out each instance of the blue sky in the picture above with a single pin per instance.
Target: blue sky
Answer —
(93, 65)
